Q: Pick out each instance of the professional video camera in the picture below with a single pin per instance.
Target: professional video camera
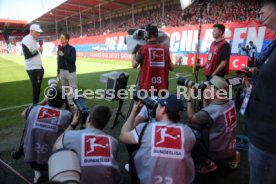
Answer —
(150, 102)
(182, 81)
(138, 37)
(82, 108)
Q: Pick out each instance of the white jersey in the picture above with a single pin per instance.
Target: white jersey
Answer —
(165, 153)
(34, 62)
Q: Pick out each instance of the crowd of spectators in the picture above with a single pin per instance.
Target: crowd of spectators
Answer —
(174, 16)
(213, 12)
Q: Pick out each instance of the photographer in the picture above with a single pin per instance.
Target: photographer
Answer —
(252, 50)
(154, 60)
(44, 124)
(216, 124)
(260, 112)
(33, 62)
(97, 151)
(155, 161)
(219, 54)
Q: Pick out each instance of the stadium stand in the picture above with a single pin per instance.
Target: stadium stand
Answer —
(213, 12)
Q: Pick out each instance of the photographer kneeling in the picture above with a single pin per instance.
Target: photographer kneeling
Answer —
(164, 145)
(217, 124)
(96, 150)
(44, 125)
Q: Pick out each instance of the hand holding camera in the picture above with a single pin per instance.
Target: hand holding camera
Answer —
(137, 107)
(75, 120)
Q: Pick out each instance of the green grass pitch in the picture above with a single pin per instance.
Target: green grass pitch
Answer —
(16, 94)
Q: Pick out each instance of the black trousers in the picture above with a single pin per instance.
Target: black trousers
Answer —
(36, 77)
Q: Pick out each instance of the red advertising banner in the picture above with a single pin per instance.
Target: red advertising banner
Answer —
(105, 55)
(236, 62)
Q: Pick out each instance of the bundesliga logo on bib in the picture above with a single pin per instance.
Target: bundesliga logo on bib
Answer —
(167, 141)
(230, 118)
(47, 119)
(157, 57)
(96, 150)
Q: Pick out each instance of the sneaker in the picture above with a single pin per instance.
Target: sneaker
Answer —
(204, 169)
(233, 162)
(127, 167)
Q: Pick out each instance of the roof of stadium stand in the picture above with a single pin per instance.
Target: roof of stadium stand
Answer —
(71, 10)
(12, 23)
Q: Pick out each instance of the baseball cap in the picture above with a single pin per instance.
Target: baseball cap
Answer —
(36, 28)
(219, 82)
(172, 104)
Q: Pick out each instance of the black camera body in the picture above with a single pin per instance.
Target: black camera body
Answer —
(244, 73)
(150, 102)
(82, 108)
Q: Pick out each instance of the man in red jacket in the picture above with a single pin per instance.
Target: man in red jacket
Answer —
(155, 63)
(219, 54)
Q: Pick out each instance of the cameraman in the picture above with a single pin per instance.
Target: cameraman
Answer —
(44, 124)
(261, 116)
(216, 124)
(155, 161)
(154, 60)
(97, 151)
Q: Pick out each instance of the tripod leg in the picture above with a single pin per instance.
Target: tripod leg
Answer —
(119, 112)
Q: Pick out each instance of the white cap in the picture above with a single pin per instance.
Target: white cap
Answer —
(36, 28)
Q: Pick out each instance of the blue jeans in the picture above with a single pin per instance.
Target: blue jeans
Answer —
(262, 166)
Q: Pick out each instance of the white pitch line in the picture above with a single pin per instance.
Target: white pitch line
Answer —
(189, 75)
(24, 105)
(14, 107)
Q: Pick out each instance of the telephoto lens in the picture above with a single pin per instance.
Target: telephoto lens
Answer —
(182, 81)
(82, 108)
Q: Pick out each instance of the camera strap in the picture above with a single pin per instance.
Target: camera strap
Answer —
(26, 124)
(142, 133)
(29, 110)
